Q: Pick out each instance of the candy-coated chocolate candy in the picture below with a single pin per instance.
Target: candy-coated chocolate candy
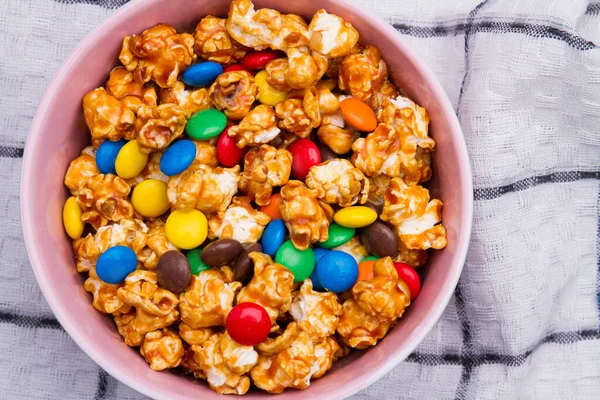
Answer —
(374, 207)
(222, 252)
(206, 124)
(115, 264)
(177, 157)
(228, 154)
(365, 270)
(305, 154)
(267, 94)
(186, 229)
(259, 59)
(107, 155)
(319, 252)
(379, 239)
(337, 271)
(358, 114)
(72, 218)
(202, 74)
(370, 258)
(300, 262)
(149, 198)
(272, 209)
(355, 216)
(248, 324)
(173, 271)
(326, 153)
(130, 160)
(236, 67)
(410, 277)
(243, 268)
(195, 261)
(273, 237)
(338, 235)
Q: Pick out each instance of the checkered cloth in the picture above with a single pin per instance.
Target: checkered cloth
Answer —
(524, 77)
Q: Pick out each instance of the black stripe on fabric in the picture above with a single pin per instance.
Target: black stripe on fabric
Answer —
(11, 152)
(102, 385)
(593, 9)
(110, 4)
(598, 257)
(29, 322)
(554, 177)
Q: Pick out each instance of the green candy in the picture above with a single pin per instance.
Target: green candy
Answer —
(370, 258)
(206, 124)
(300, 262)
(338, 235)
(196, 263)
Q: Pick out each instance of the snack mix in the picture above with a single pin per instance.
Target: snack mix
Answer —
(250, 208)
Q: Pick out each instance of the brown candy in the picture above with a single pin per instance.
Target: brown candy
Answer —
(326, 152)
(221, 252)
(379, 240)
(173, 271)
(243, 267)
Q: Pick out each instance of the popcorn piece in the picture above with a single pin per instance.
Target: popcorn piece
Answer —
(151, 171)
(124, 324)
(103, 199)
(271, 286)
(358, 329)
(384, 296)
(378, 153)
(415, 219)
(337, 181)
(162, 349)
(158, 126)
(234, 92)
(105, 295)
(355, 248)
(327, 351)
(214, 43)
(284, 140)
(264, 168)
(80, 171)
(205, 188)
(334, 131)
(305, 68)
(414, 257)
(107, 117)
(157, 245)
(362, 74)
(306, 217)
(276, 74)
(208, 299)
(378, 187)
(272, 346)
(240, 222)
(386, 92)
(258, 126)
(123, 85)
(189, 363)
(331, 36)
(316, 312)
(301, 116)
(194, 336)
(216, 355)
(159, 53)
(257, 29)
(190, 101)
(206, 153)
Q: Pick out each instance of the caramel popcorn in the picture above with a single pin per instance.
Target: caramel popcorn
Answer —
(190, 365)
(159, 53)
(257, 29)
(80, 171)
(124, 323)
(207, 189)
(190, 101)
(378, 187)
(358, 329)
(378, 153)
(276, 74)
(150, 171)
(271, 286)
(141, 291)
(355, 248)
(157, 127)
(107, 117)
(105, 295)
(214, 43)
(194, 336)
(414, 257)
(162, 349)
(306, 217)
(103, 199)
(122, 84)
(304, 68)
(337, 181)
(414, 217)
(240, 222)
(258, 126)
(234, 92)
(206, 153)
(362, 74)
(284, 140)
(335, 132)
(331, 36)
(273, 345)
(157, 245)
(264, 168)
(301, 116)
(317, 313)
(208, 299)
(386, 92)
(327, 351)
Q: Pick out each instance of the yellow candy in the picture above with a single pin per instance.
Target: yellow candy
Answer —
(267, 94)
(355, 216)
(130, 160)
(72, 218)
(186, 229)
(149, 198)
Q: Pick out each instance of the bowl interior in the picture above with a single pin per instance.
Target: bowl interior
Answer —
(59, 133)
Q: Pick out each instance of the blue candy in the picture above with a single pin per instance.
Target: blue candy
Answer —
(273, 237)
(202, 74)
(115, 264)
(177, 157)
(107, 155)
(337, 271)
(318, 252)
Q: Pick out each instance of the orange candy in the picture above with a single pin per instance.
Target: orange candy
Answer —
(272, 210)
(365, 270)
(359, 115)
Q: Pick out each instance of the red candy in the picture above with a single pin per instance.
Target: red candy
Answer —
(228, 154)
(259, 59)
(248, 324)
(237, 67)
(410, 276)
(305, 154)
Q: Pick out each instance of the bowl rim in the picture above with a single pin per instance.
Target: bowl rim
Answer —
(115, 19)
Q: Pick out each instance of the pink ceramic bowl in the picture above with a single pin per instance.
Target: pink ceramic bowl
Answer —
(58, 134)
